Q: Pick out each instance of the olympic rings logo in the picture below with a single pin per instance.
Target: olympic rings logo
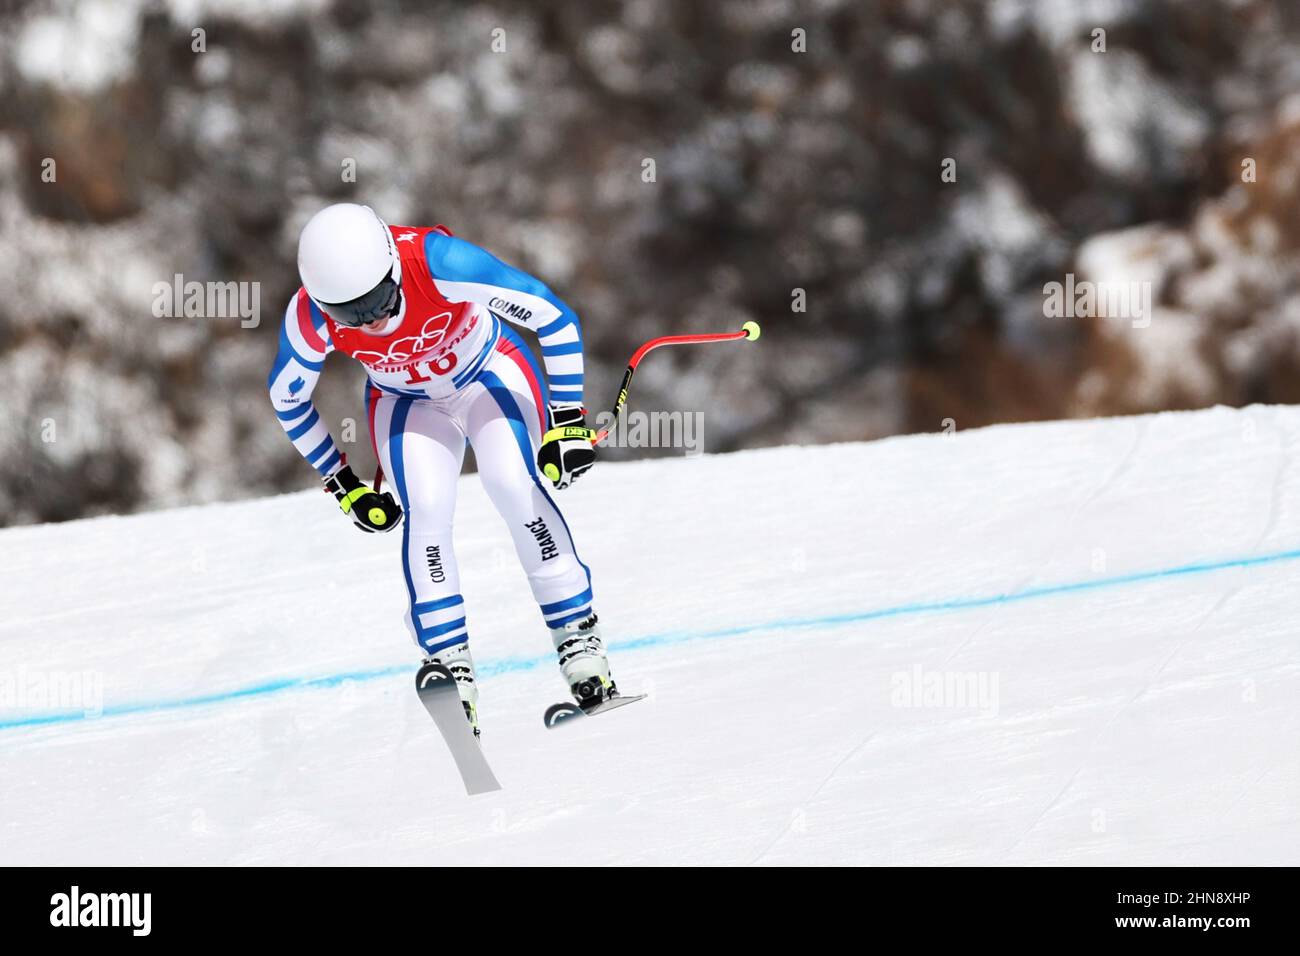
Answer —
(410, 347)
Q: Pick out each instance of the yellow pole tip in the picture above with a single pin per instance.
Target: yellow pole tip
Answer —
(377, 516)
(751, 330)
(552, 472)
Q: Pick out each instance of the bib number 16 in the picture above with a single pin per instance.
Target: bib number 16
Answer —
(438, 366)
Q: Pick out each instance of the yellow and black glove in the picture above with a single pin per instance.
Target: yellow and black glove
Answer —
(368, 510)
(568, 448)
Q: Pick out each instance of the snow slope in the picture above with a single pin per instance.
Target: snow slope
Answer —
(1117, 597)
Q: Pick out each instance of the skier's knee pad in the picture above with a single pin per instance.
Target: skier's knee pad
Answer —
(427, 510)
(511, 491)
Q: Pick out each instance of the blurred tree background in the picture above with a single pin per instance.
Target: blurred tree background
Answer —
(798, 155)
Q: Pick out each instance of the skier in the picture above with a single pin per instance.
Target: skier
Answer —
(428, 316)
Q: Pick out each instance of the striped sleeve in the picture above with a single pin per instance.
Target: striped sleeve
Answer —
(465, 273)
(304, 343)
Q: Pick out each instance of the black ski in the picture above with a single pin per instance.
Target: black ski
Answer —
(558, 714)
(437, 690)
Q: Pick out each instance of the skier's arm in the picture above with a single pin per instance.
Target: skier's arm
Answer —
(465, 273)
(304, 343)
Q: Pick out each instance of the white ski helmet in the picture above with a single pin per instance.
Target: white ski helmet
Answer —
(349, 264)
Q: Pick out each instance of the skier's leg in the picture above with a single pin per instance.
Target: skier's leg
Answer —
(504, 421)
(421, 449)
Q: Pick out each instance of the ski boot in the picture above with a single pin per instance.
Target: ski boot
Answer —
(457, 660)
(583, 662)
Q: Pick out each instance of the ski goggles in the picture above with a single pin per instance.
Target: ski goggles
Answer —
(381, 302)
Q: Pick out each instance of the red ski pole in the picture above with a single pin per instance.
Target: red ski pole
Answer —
(748, 333)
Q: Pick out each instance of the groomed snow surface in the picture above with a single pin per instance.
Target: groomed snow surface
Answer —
(1070, 643)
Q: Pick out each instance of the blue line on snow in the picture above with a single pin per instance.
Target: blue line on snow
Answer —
(516, 664)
